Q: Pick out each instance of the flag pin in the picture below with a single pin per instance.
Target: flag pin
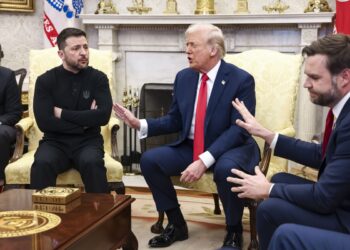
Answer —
(223, 82)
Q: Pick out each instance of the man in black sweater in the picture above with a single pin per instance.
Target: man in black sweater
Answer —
(71, 102)
(10, 114)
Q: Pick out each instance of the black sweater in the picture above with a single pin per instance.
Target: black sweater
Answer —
(74, 93)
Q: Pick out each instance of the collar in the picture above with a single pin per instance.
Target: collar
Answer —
(340, 105)
(213, 72)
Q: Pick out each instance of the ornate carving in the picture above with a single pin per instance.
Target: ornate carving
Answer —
(104, 7)
(318, 6)
(138, 7)
(276, 6)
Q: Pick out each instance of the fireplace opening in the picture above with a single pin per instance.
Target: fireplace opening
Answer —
(155, 101)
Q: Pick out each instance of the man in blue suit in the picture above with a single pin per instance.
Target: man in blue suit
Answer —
(226, 145)
(323, 204)
(298, 237)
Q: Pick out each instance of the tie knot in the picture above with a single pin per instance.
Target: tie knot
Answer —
(205, 78)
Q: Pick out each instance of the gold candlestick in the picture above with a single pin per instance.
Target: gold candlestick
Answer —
(204, 7)
(171, 7)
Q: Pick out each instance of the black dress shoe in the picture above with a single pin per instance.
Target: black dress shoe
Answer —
(233, 240)
(170, 234)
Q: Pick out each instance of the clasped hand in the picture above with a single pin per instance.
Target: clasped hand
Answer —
(193, 172)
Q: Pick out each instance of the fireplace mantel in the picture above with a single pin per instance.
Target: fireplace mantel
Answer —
(306, 24)
(113, 19)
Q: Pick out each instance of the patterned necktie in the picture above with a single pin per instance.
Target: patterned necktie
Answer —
(198, 141)
(327, 131)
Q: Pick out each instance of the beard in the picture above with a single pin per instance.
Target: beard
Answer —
(327, 99)
(78, 65)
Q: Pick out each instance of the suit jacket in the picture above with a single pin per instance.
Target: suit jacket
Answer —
(331, 193)
(221, 131)
(10, 101)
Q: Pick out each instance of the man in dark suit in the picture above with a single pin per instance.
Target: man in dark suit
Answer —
(298, 237)
(10, 114)
(291, 199)
(225, 144)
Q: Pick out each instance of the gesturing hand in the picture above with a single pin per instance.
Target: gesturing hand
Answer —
(250, 123)
(125, 115)
(250, 186)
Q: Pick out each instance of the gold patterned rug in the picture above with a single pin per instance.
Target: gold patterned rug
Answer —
(206, 230)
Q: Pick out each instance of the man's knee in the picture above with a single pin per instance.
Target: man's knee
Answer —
(7, 135)
(222, 169)
(147, 161)
(265, 210)
(279, 177)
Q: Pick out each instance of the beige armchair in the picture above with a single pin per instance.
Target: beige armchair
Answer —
(17, 173)
(277, 80)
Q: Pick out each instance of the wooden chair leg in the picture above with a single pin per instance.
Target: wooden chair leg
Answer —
(217, 209)
(254, 244)
(157, 228)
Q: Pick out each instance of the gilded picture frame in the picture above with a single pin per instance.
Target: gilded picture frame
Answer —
(17, 5)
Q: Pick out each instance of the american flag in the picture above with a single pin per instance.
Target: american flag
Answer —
(60, 14)
(342, 17)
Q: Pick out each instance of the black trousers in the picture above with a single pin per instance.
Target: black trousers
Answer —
(54, 157)
(7, 139)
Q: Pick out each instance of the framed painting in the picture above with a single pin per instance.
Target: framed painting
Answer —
(17, 5)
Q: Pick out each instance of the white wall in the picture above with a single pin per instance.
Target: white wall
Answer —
(20, 32)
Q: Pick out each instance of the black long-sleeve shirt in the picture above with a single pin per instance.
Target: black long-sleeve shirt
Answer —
(74, 94)
(10, 100)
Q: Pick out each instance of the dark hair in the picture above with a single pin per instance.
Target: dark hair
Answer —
(66, 33)
(337, 49)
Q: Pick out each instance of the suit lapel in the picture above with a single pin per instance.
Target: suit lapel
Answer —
(218, 90)
(191, 96)
(345, 111)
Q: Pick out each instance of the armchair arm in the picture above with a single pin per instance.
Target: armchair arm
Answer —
(267, 152)
(289, 131)
(265, 160)
(113, 126)
(21, 127)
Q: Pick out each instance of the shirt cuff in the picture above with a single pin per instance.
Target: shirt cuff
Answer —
(272, 184)
(274, 141)
(207, 159)
(143, 132)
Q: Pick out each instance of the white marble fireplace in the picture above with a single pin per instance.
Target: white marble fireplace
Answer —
(150, 48)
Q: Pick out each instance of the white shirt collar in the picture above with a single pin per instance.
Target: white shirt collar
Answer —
(340, 105)
(213, 72)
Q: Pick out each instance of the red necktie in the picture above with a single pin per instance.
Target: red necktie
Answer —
(198, 141)
(327, 131)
